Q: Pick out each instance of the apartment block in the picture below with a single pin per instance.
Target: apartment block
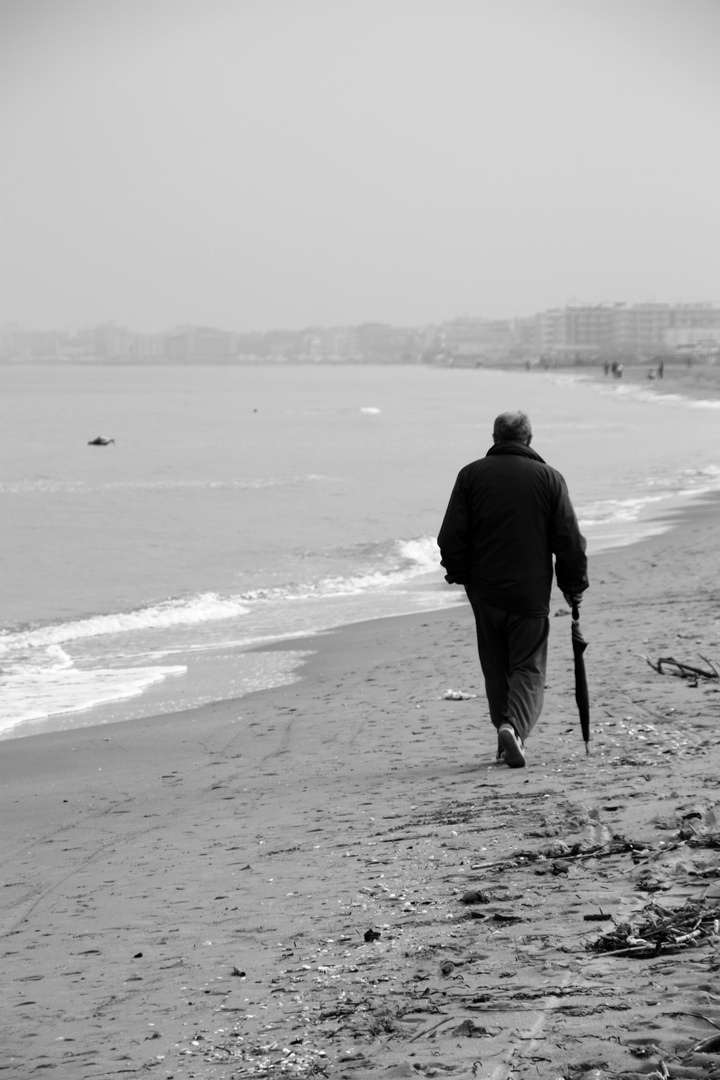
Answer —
(634, 331)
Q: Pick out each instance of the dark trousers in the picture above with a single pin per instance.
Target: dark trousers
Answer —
(513, 657)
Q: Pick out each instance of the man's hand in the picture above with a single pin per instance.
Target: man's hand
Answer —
(573, 601)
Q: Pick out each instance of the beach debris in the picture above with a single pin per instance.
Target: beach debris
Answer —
(457, 695)
(701, 835)
(619, 845)
(710, 1045)
(658, 929)
(469, 1029)
(372, 935)
(682, 670)
(476, 896)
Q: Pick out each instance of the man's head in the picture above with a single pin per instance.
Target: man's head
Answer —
(512, 427)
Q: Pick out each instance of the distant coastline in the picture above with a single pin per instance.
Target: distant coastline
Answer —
(578, 334)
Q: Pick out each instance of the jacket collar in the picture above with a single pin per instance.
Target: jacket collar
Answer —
(517, 448)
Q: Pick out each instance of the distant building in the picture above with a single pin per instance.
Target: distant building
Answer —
(198, 345)
(19, 344)
(332, 343)
(702, 342)
(635, 331)
(382, 343)
(106, 341)
(146, 347)
(475, 341)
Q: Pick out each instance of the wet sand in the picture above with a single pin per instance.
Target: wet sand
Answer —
(274, 886)
(699, 380)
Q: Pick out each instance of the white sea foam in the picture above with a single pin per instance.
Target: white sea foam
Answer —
(686, 483)
(386, 565)
(205, 607)
(33, 661)
(614, 511)
(423, 552)
(638, 392)
(34, 695)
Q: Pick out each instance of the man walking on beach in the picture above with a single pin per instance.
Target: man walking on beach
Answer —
(509, 513)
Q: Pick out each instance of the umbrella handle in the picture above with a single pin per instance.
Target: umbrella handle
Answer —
(575, 612)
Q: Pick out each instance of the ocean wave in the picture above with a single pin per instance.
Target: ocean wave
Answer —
(109, 659)
(205, 607)
(637, 392)
(686, 483)
(35, 695)
(30, 660)
(45, 485)
(423, 552)
(388, 564)
(689, 481)
(614, 511)
(412, 558)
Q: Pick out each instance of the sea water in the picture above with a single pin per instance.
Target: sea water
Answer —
(240, 505)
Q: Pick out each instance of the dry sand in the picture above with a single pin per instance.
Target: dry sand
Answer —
(191, 896)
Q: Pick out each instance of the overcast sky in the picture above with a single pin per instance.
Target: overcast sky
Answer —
(252, 164)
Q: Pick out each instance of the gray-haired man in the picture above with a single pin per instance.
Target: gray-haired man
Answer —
(509, 513)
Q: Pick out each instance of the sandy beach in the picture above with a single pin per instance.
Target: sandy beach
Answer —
(334, 878)
(698, 380)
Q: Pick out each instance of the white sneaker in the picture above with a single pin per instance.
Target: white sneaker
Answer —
(511, 746)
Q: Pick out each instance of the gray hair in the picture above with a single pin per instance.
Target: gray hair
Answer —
(512, 426)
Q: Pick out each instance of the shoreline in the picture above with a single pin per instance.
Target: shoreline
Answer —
(193, 893)
(656, 524)
(697, 381)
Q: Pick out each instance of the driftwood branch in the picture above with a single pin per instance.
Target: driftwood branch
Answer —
(683, 670)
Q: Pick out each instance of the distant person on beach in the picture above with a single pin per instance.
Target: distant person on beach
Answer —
(509, 513)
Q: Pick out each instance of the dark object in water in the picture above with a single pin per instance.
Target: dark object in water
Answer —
(100, 440)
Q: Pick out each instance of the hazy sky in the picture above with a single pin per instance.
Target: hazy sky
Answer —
(252, 164)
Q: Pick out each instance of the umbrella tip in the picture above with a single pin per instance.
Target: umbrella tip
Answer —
(587, 747)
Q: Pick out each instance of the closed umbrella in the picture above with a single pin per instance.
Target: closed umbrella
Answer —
(582, 698)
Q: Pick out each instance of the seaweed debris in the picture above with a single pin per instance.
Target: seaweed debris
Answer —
(657, 929)
(683, 670)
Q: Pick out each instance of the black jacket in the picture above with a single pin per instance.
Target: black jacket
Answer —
(509, 513)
